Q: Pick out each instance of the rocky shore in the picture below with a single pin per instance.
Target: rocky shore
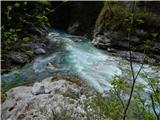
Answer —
(49, 99)
(27, 51)
(120, 49)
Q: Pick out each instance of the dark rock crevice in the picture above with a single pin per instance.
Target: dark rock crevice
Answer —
(75, 17)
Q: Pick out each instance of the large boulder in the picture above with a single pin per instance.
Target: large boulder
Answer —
(101, 41)
(38, 88)
(64, 99)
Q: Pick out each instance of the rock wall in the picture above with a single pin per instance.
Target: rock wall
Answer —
(75, 17)
(111, 26)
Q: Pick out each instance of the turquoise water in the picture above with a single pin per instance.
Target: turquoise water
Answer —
(68, 54)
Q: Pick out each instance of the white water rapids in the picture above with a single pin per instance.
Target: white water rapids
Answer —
(68, 54)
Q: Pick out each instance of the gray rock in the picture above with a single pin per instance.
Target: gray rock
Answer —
(71, 29)
(50, 66)
(36, 45)
(39, 51)
(38, 88)
(19, 57)
(44, 106)
(135, 39)
(111, 50)
(101, 40)
(9, 104)
(122, 44)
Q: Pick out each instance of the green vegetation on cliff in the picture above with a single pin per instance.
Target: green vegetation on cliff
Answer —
(18, 19)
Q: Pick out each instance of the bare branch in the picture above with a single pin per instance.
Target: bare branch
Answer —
(153, 107)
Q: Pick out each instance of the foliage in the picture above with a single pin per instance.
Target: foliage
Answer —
(18, 18)
(121, 15)
(111, 106)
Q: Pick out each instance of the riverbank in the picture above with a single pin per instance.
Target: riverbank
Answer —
(50, 99)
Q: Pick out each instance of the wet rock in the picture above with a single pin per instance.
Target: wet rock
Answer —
(50, 66)
(19, 57)
(71, 29)
(101, 41)
(111, 50)
(39, 51)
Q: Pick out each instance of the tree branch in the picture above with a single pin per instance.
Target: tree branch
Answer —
(153, 107)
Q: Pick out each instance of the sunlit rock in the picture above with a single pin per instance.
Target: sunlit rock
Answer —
(22, 104)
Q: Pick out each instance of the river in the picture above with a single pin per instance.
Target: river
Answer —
(75, 55)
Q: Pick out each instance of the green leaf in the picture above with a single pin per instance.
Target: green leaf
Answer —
(47, 9)
(6, 34)
(39, 17)
(154, 35)
(28, 15)
(16, 4)
(26, 39)
(18, 30)
(148, 43)
(140, 21)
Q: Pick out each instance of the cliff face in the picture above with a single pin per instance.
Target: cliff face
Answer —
(114, 22)
(75, 17)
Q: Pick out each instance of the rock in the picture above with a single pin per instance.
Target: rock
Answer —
(25, 105)
(44, 28)
(111, 50)
(10, 104)
(122, 44)
(38, 88)
(50, 66)
(101, 41)
(19, 57)
(71, 29)
(47, 91)
(36, 45)
(39, 51)
(135, 39)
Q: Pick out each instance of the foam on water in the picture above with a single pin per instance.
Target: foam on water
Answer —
(68, 54)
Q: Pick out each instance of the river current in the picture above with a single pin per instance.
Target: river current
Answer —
(75, 55)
